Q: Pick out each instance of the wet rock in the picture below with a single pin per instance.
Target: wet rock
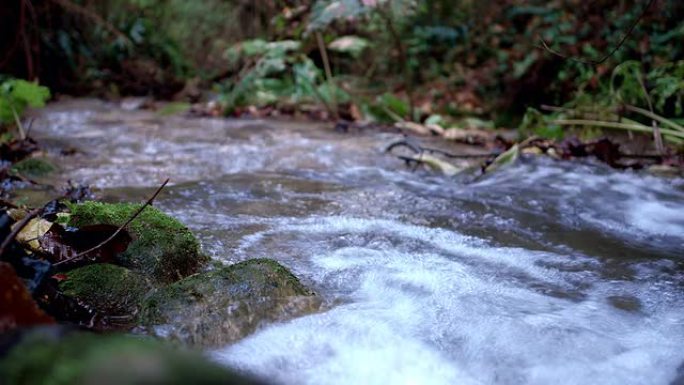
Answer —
(625, 302)
(46, 357)
(679, 376)
(162, 248)
(226, 304)
(109, 290)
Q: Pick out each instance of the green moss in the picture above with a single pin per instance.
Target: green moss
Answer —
(33, 167)
(223, 305)
(43, 358)
(110, 289)
(255, 278)
(162, 247)
(174, 108)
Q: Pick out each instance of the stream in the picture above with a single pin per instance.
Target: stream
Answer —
(544, 272)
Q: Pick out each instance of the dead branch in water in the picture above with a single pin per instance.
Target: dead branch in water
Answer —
(418, 149)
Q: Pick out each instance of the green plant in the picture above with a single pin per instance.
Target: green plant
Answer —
(15, 96)
(275, 72)
(632, 100)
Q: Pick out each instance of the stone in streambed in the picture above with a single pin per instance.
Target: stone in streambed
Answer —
(162, 249)
(53, 356)
(108, 289)
(226, 304)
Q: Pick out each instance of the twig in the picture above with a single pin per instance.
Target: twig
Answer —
(393, 115)
(418, 149)
(88, 14)
(30, 126)
(609, 54)
(577, 110)
(616, 125)
(23, 178)
(657, 137)
(654, 116)
(595, 112)
(403, 58)
(328, 73)
(20, 127)
(20, 226)
(460, 156)
(135, 215)
(8, 204)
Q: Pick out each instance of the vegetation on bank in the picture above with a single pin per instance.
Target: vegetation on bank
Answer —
(563, 73)
(552, 69)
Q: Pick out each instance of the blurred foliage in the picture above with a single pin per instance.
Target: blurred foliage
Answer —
(273, 72)
(390, 59)
(125, 46)
(485, 58)
(16, 95)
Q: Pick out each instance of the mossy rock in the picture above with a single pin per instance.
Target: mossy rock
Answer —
(45, 357)
(226, 304)
(162, 247)
(33, 167)
(110, 290)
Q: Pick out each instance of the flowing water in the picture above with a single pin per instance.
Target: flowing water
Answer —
(543, 273)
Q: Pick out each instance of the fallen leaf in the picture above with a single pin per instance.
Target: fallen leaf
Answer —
(507, 158)
(59, 277)
(17, 307)
(31, 234)
(413, 127)
(435, 129)
(59, 245)
(437, 164)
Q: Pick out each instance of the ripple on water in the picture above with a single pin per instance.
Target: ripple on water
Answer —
(543, 273)
(435, 309)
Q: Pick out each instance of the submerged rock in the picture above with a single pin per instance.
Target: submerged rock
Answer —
(108, 289)
(48, 357)
(162, 248)
(226, 304)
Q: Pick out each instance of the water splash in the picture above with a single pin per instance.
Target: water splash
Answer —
(545, 272)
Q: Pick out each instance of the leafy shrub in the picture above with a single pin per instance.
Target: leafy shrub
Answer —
(274, 72)
(16, 95)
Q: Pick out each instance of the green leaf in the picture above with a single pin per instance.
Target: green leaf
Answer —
(351, 44)
(435, 119)
(325, 12)
(507, 158)
(437, 164)
(16, 95)
(534, 122)
(394, 104)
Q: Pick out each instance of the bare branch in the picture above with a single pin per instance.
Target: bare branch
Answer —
(87, 13)
(135, 215)
(622, 41)
(20, 226)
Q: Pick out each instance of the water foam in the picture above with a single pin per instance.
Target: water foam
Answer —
(426, 312)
